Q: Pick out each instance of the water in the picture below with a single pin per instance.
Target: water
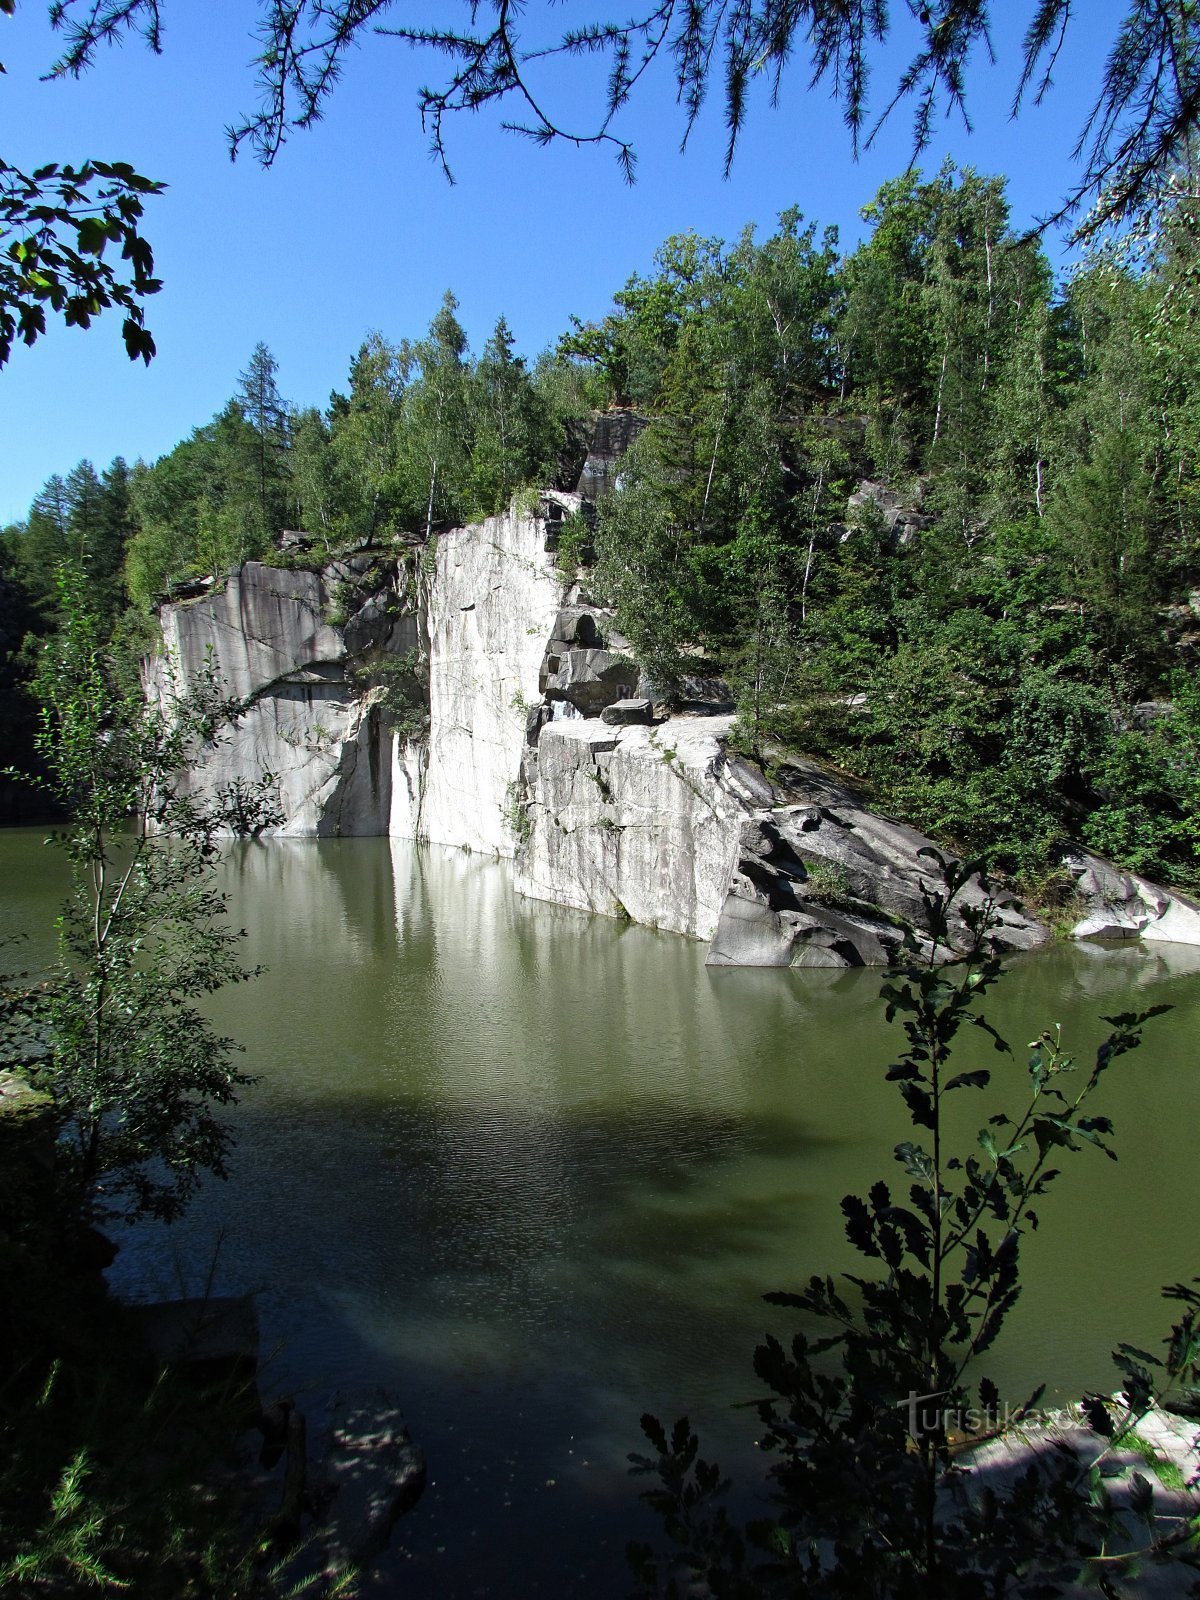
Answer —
(532, 1171)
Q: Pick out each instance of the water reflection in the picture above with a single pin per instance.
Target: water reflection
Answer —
(534, 1169)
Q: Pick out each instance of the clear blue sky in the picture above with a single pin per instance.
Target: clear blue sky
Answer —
(355, 228)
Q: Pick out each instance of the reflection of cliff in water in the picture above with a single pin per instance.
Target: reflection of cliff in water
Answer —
(534, 1169)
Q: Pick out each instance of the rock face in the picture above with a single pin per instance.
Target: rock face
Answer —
(819, 881)
(664, 826)
(490, 604)
(613, 433)
(267, 635)
(1121, 905)
(630, 821)
(472, 697)
(879, 499)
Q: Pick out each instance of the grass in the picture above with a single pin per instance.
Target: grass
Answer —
(1167, 1473)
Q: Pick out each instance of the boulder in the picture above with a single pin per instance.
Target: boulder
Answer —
(28, 1135)
(823, 884)
(588, 679)
(1121, 905)
(626, 711)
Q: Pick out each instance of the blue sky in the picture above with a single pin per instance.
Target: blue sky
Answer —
(355, 228)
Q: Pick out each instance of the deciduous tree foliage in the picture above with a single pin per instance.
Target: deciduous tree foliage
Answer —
(972, 637)
(114, 1034)
(888, 1363)
(60, 227)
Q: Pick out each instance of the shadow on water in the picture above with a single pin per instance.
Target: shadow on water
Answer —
(532, 1170)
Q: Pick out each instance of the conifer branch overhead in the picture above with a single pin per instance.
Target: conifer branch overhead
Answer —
(1138, 132)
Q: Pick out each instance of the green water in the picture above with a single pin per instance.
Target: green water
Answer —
(531, 1171)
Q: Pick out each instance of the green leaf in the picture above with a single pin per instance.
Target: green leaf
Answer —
(969, 1080)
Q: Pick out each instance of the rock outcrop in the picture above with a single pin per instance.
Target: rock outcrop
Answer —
(630, 821)
(489, 604)
(471, 696)
(267, 635)
(612, 434)
(873, 499)
(665, 826)
(1120, 905)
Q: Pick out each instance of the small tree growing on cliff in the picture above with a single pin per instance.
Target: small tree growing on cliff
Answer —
(114, 1034)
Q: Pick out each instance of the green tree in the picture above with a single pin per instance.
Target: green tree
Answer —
(436, 440)
(312, 488)
(115, 1035)
(63, 218)
(512, 427)
(265, 410)
(643, 571)
(365, 440)
(199, 509)
(1106, 514)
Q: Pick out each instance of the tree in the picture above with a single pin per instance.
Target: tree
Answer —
(115, 1035)
(512, 427)
(62, 218)
(312, 490)
(365, 438)
(267, 413)
(436, 436)
(217, 499)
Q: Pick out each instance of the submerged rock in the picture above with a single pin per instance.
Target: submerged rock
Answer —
(367, 1473)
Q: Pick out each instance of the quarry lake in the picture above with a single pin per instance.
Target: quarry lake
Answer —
(530, 1172)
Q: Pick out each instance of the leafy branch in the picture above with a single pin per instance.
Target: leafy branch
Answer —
(867, 1403)
(57, 224)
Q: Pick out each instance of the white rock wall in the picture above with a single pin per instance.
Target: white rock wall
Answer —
(491, 605)
(262, 625)
(632, 821)
(265, 637)
(656, 823)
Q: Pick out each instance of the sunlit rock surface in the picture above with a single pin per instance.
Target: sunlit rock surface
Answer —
(490, 605)
(266, 634)
(1120, 905)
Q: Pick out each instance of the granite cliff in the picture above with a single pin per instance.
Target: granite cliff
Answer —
(469, 695)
